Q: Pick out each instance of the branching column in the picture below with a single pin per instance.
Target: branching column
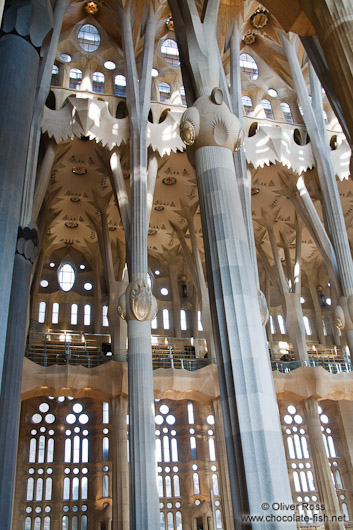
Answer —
(325, 485)
(19, 62)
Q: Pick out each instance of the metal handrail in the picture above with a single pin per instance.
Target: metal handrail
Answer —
(334, 367)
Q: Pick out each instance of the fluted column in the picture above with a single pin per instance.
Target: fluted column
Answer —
(327, 492)
(120, 465)
(248, 400)
(22, 35)
(10, 399)
(223, 467)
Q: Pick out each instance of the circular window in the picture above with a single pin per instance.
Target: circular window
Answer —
(157, 273)
(210, 432)
(68, 432)
(50, 418)
(175, 469)
(42, 429)
(44, 407)
(89, 38)
(65, 58)
(248, 66)
(40, 471)
(105, 468)
(194, 467)
(197, 502)
(76, 471)
(84, 507)
(84, 470)
(47, 509)
(210, 419)
(38, 509)
(31, 471)
(67, 470)
(66, 277)
(291, 409)
(44, 283)
(65, 508)
(61, 399)
(36, 418)
(88, 286)
(324, 418)
(109, 65)
(169, 505)
(164, 409)
(164, 291)
(159, 419)
(154, 72)
(49, 470)
(82, 267)
(77, 408)
(170, 419)
(70, 418)
(288, 419)
(28, 509)
(77, 429)
(272, 92)
(33, 432)
(51, 264)
(298, 419)
(170, 52)
(85, 432)
(105, 431)
(83, 419)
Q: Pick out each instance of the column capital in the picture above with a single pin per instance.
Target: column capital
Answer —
(27, 242)
(209, 122)
(30, 19)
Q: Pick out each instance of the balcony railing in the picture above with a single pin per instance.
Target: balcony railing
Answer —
(334, 367)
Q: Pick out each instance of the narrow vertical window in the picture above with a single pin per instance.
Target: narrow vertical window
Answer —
(105, 448)
(174, 448)
(41, 449)
(199, 322)
(105, 486)
(46, 523)
(84, 458)
(74, 312)
(55, 313)
(190, 408)
(168, 486)
(30, 489)
(50, 450)
(196, 483)
(66, 492)
(41, 313)
(76, 452)
(158, 450)
(87, 315)
(74, 523)
(32, 450)
(166, 452)
(215, 484)
(65, 523)
(183, 323)
(212, 450)
(176, 486)
(75, 488)
(193, 448)
(39, 489)
(48, 488)
(28, 523)
(105, 315)
(83, 522)
(84, 488)
(272, 324)
(307, 326)
(282, 327)
(105, 412)
(154, 323)
(165, 319)
(160, 485)
(67, 450)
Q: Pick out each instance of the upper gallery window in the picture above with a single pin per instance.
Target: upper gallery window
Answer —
(170, 52)
(66, 276)
(248, 66)
(89, 38)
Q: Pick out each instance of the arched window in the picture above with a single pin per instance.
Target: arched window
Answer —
(281, 324)
(30, 489)
(87, 315)
(266, 105)
(55, 76)
(55, 313)
(105, 448)
(75, 78)
(66, 492)
(105, 315)
(183, 96)
(307, 325)
(287, 113)
(75, 488)
(74, 312)
(41, 313)
(165, 319)
(154, 323)
(65, 523)
(105, 486)
(170, 52)
(272, 324)
(120, 86)
(164, 91)
(199, 321)
(247, 105)
(196, 483)
(183, 322)
(248, 66)
(98, 82)
(66, 276)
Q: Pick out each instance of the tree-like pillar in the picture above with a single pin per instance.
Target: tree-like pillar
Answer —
(252, 427)
(328, 495)
(43, 178)
(120, 464)
(22, 36)
(12, 371)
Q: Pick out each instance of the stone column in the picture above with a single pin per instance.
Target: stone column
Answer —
(22, 36)
(43, 178)
(248, 400)
(322, 469)
(10, 399)
(120, 492)
(223, 467)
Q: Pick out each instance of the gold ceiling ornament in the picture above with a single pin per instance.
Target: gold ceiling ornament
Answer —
(249, 37)
(170, 24)
(91, 8)
(259, 18)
